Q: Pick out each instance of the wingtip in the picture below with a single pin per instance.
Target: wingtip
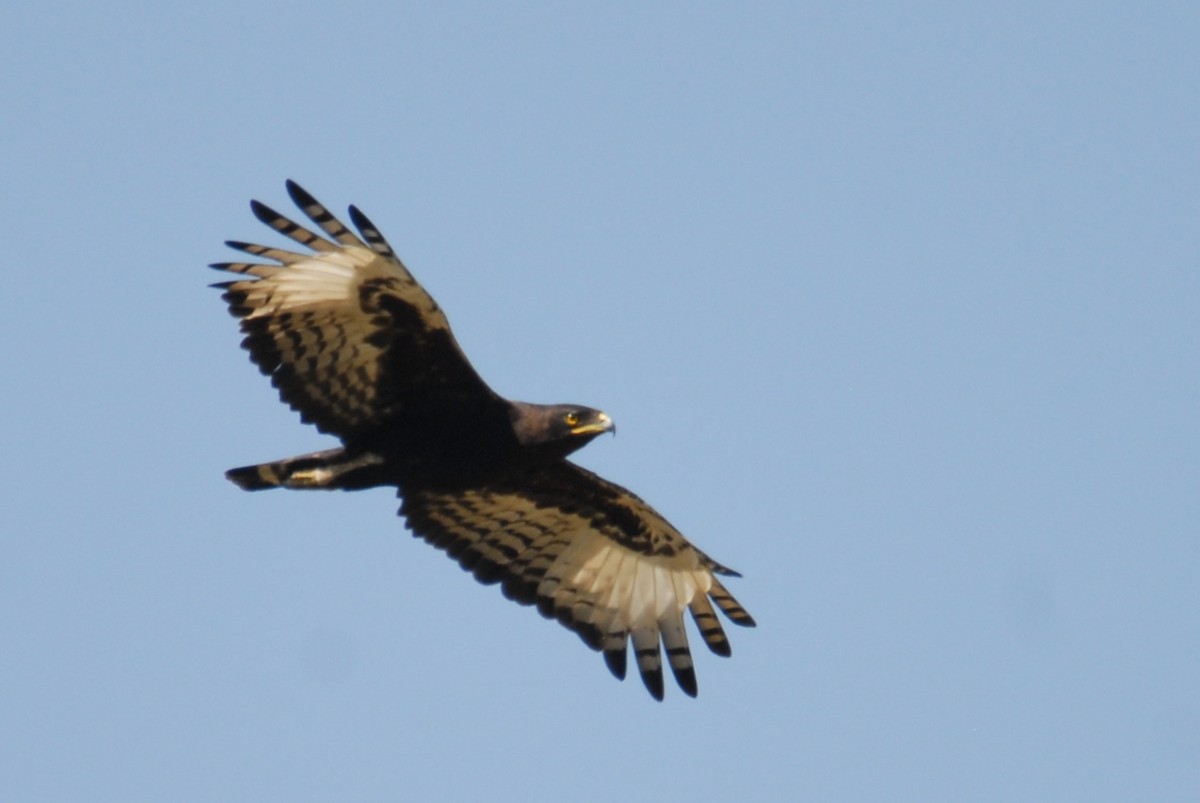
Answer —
(264, 213)
(721, 647)
(615, 661)
(242, 245)
(362, 222)
(654, 683)
(300, 196)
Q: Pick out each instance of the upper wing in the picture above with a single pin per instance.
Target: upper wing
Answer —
(346, 333)
(590, 554)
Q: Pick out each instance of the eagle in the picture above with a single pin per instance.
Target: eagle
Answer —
(355, 345)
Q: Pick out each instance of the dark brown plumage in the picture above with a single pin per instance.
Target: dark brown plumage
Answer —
(358, 348)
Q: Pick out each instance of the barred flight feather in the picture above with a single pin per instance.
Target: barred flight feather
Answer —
(356, 346)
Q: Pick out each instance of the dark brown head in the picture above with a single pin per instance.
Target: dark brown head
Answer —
(557, 429)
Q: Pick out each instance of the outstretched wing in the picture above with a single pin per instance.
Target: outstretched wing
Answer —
(590, 554)
(347, 335)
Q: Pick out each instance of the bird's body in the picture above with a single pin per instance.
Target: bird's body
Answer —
(359, 348)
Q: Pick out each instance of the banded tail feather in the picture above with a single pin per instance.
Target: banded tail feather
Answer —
(330, 470)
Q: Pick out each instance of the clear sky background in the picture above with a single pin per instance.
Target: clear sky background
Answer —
(897, 309)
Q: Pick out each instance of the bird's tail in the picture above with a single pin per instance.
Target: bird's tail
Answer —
(332, 469)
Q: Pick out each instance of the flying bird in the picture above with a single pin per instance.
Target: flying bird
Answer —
(357, 347)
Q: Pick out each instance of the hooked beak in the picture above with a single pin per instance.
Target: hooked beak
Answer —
(602, 423)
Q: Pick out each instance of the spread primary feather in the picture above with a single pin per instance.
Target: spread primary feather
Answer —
(358, 348)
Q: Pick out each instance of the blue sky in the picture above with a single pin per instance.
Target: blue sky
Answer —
(897, 310)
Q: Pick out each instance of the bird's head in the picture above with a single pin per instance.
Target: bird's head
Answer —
(558, 429)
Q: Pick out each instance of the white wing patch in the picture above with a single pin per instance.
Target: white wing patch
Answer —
(330, 278)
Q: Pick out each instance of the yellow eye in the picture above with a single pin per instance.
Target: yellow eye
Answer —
(572, 419)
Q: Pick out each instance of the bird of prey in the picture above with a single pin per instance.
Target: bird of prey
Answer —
(358, 348)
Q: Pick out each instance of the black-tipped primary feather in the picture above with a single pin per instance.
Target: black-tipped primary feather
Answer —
(615, 660)
(357, 346)
(371, 234)
(318, 214)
